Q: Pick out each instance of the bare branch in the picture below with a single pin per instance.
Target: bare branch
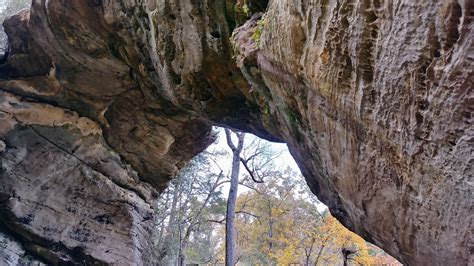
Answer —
(248, 213)
(228, 136)
(215, 162)
(222, 221)
(240, 137)
(250, 171)
(251, 157)
(240, 183)
(216, 221)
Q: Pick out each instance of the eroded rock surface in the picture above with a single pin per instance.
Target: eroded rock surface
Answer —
(12, 253)
(103, 101)
(377, 99)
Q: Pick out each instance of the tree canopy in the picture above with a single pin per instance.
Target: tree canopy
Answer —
(277, 221)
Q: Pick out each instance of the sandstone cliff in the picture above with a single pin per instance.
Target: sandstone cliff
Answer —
(101, 102)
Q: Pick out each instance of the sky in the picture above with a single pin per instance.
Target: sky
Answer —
(282, 162)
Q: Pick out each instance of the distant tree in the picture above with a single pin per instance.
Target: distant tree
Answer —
(191, 196)
(236, 148)
(276, 226)
(276, 222)
(257, 158)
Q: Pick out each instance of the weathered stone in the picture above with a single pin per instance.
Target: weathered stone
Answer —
(378, 100)
(12, 253)
(103, 101)
(3, 146)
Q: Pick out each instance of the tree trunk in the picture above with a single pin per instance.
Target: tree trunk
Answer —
(230, 249)
(323, 245)
(168, 249)
(308, 253)
(270, 227)
(345, 255)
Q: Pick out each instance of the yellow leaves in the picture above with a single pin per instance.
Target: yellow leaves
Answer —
(287, 255)
(342, 238)
(274, 227)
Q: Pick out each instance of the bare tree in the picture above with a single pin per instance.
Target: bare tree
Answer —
(230, 250)
(194, 190)
(188, 197)
(257, 158)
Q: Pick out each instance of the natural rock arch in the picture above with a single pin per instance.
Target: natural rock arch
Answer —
(101, 102)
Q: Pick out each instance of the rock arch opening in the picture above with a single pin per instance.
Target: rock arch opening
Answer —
(278, 219)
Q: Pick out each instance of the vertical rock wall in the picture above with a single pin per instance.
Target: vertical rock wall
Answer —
(376, 102)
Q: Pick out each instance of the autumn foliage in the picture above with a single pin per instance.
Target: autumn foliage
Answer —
(277, 226)
(278, 221)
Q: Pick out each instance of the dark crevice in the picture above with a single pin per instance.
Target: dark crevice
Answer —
(452, 26)
(238, 12)
(42, 249)
(20, 239)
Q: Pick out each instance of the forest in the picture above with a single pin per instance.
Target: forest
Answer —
(278, 221)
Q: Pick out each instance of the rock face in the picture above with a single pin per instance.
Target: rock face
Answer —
(12, 253)
(101, 102)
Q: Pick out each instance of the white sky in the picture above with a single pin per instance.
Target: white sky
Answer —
(282, 162)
